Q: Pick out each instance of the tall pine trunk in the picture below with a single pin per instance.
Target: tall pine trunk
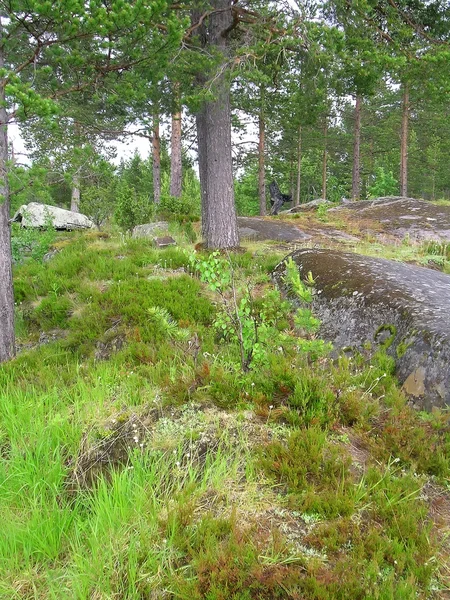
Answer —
(176, 173)
(404, 142)
(75, 198)
(324, 161)
(261, 165)
(356, 173)
(156, 154)
(75, 195)
(219, 223)
(299, 166)
(7, 339)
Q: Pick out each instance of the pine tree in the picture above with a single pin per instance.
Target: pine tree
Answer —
(49, 51)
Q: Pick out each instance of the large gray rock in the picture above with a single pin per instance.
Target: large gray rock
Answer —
(39, 215)
(403, 307)
(150, 230)
(400, 216)
(248, 233)
(311, 205)
(260, 228)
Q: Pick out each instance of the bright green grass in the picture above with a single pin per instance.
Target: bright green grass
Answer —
(426, 253)
(276, 450)
(441, 202)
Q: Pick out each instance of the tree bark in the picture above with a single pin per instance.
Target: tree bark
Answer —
(7, 338)
(75, 198)
(219, 222)
(404, 143)
(299, 166)
(356, 173)
(324, 161)
(176, 173)
(156, 150)
(261, 165)
(291, 178)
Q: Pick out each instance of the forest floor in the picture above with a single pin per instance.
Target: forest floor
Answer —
(142, 458)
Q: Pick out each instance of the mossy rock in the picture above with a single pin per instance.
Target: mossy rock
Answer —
(402, 308)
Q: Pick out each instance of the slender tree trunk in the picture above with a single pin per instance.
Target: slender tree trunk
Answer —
(156, 150)
(404, 143)
(75, 199)
(75, 196)
(356, 173)
(176, 173)
(291, 178)
(261, 165)
(299, 166)
(202, 169)
(324, 161)
(433, 184)
(371, 166)
(200, 121)
(7, 339)
(219, 223)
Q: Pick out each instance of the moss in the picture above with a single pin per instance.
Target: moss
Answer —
(386, 343)
(402, 348)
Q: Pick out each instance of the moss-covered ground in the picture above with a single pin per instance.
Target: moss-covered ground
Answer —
(138, 460)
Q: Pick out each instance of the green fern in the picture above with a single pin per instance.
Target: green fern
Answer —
(164, 320)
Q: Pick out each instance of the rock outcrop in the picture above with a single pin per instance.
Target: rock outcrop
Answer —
(259, 228)
(405, 308)
(401, 217)
(311, 205)
(41, 215)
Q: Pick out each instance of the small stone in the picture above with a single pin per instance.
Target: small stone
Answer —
(167, 240)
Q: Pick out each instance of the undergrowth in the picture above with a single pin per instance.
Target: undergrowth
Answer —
(138, 459)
